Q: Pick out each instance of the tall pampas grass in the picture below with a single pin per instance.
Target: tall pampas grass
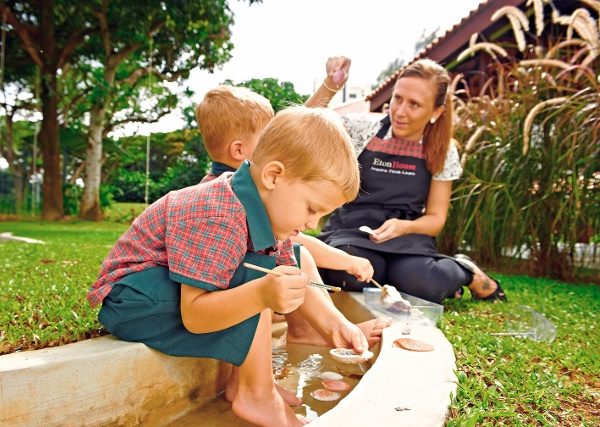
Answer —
(518, 21)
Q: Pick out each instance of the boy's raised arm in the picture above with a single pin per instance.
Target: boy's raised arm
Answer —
(335, 259)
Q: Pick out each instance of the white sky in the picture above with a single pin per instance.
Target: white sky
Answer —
(290, 40)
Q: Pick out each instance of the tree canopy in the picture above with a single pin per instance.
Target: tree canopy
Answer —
(106, 60)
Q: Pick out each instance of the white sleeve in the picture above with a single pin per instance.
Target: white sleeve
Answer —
(361, 128)
(452, 168)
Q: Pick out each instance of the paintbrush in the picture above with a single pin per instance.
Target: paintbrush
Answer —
(376, 284)
(277, 273)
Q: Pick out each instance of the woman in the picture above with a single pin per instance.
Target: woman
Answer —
(408, 163)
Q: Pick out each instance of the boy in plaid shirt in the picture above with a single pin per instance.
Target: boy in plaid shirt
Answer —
(176, 281)
(230, 120)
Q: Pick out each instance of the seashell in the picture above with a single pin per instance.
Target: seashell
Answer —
(335, 385)
(338, 77)
(392, 300)
(412, 345)
(366, 229)
(346, 355)
(328, 375)
(324, 395)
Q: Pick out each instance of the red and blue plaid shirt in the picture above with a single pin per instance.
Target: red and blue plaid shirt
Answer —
(200, 233)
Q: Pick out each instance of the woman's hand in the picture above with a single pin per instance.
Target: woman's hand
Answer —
(360, 268)
(338, 71)
(392, 228)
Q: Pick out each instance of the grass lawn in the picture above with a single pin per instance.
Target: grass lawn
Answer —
(502, 380)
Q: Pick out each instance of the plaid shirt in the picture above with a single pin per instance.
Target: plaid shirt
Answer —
(200, 233)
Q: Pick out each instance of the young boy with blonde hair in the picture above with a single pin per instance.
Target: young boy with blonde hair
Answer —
(230, 120)
(176, 280)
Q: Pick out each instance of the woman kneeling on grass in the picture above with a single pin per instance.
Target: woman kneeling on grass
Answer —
(408, 162)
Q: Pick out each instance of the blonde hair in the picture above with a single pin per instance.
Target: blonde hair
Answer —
(436, 138)
(228, 113)
(313, 145)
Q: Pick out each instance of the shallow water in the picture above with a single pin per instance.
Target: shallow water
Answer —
(296, 367)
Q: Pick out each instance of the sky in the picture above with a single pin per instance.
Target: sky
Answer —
(290, 40)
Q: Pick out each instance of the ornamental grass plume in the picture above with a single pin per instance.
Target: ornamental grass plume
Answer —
(491, 48)
(584, 25)
(470, 145)
(594, 4)
(538, 10)
(518, 21)
(532, 113)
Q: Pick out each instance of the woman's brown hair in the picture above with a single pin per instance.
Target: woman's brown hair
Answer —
(436, 137)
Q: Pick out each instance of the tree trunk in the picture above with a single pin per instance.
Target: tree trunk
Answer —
(19, 189)
(89, 209)
(52, 206)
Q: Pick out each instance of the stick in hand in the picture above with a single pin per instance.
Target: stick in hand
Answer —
(277, 273)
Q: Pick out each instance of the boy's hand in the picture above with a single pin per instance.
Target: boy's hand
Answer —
(348, 335)
(360, 268)
(285, 294)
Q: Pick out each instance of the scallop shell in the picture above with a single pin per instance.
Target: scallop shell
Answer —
(335, 385)
(412, 345)
(324, 395)
(346, 355)
(328, 375)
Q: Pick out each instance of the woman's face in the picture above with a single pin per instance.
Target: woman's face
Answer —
(412, 106)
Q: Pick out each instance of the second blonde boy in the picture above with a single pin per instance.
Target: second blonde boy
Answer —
(230, 120)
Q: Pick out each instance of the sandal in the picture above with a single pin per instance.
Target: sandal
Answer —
(470, 265)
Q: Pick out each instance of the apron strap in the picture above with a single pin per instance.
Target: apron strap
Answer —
(385, 126)
(297, 247)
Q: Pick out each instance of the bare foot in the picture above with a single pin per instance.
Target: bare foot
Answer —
(287, 396)
(374, 328)
(482, 285)
(303, 333)
(266, 410)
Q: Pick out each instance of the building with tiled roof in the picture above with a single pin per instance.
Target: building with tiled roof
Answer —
(446, 48)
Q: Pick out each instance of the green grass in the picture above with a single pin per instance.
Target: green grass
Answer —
(123, 212)
(519, 382)
(43, 287)
(502, 381)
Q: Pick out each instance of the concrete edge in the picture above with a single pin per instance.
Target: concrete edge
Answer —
(107, 381)
(402, 388)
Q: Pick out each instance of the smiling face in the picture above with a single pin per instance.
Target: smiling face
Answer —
(412, 106)
(295, 206)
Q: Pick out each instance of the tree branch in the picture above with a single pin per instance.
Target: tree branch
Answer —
(133, 78)
(135, 119)
(72, 43)
(23, 33)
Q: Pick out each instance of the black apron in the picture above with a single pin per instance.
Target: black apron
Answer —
(394, 184)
